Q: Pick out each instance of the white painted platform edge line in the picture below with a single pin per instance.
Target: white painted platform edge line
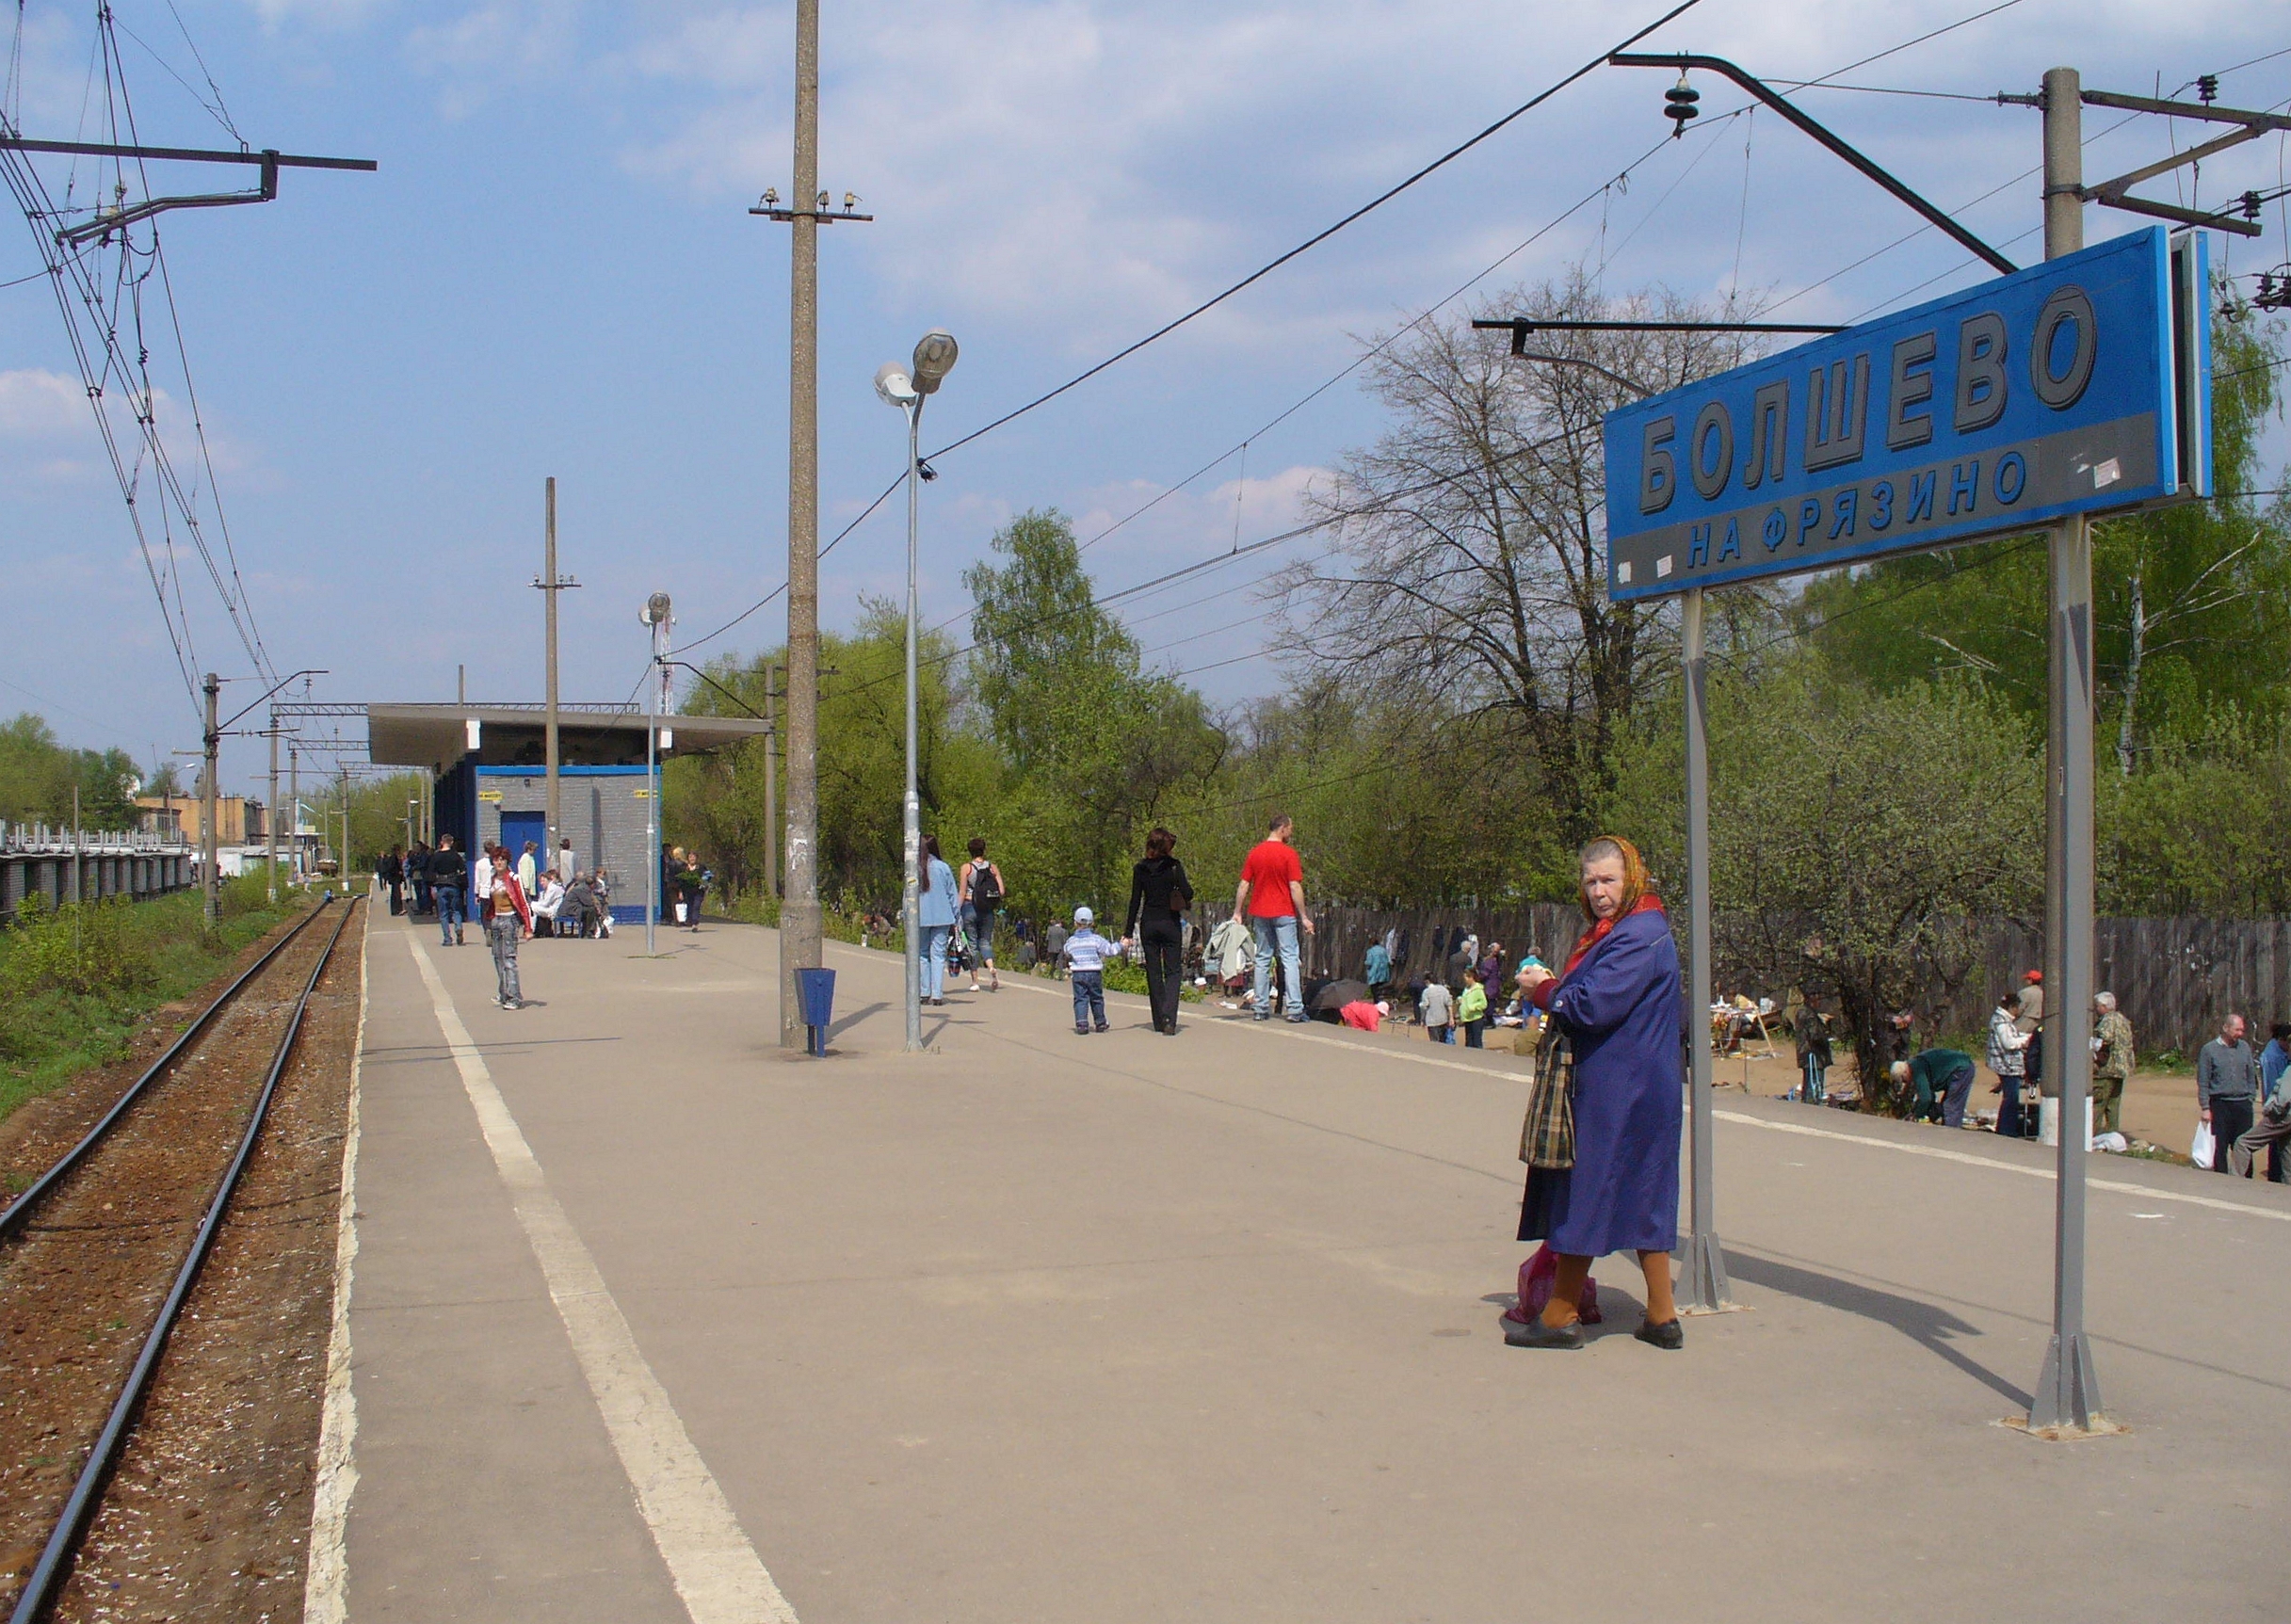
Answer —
(2119, 1186)
(326, 1582)
(716, 1570)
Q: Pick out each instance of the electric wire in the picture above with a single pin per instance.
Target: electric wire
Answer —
(1167, 328)
(1376, 203)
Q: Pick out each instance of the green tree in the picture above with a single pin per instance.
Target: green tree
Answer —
(37, 776)
(2192, 604)
(1096, 750)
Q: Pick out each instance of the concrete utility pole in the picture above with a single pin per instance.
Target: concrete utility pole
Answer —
(800, 931)
(208, 805)
(294, 804)
(270, 824)
(2068, 1391)
(772, 751)
(551, 584)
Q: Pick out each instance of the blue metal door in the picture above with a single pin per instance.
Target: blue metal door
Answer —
(520, 827)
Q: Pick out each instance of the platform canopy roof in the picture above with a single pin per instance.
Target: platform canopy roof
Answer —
(588, 735)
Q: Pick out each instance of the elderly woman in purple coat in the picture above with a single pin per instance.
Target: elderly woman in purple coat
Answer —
(1617, 1000)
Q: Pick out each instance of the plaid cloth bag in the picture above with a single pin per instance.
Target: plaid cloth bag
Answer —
(1547, 1137)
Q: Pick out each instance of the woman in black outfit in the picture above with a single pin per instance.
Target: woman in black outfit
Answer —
(1159, 895)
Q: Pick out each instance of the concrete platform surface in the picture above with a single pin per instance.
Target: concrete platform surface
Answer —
(1121, 1328)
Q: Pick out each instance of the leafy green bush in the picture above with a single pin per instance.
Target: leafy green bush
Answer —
(83, 948)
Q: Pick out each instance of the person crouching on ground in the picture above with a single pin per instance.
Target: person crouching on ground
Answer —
(1616, 1186)
(1942, 1081)
(509, 920)
(1085, 953)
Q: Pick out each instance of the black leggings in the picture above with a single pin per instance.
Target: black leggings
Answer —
(1165, 974)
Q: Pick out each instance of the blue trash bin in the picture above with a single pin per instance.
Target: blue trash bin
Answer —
(815, 989)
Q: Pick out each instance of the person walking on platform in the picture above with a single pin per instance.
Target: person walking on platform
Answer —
(509, 920)
(2112, 1062)
(1159, 895)
(417, 880)
(982, 891)
(937, 881)
(1272, 895)
(2227, 1081)
(2272, 1130)
(1472, 1009)
(1436, 1008)
(391, 870)
(1602, 1142)
(448, 870)
(1814, 1053)
(1377, 970)
(566, 871)
(527, 867)
(2009, 1059)
(1086, 952)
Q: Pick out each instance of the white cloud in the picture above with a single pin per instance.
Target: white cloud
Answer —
(34, 401)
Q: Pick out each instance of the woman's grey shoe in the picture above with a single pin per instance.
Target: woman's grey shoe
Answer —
(1536, 1334)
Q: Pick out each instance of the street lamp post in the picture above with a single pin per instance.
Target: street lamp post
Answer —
(656, 615)
(906, 389)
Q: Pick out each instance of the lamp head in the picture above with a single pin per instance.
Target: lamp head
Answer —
(893, 384)
(935, 355)
(655, 609)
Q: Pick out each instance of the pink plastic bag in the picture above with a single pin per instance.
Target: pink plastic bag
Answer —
(1536, 1276)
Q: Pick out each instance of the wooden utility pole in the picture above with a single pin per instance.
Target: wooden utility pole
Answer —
(800, 933)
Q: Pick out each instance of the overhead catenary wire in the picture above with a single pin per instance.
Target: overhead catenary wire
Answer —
(1252, 278)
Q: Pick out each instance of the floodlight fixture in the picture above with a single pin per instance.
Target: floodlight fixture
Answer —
(894, 387)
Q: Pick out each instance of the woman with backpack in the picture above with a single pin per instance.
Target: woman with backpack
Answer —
(982, 893)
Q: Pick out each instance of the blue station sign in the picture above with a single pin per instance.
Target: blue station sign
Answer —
(2077, 386)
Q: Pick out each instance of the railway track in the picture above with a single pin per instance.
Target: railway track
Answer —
(99, 1230)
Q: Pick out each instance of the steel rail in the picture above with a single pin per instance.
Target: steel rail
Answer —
(55, 1565)
(13, 1218)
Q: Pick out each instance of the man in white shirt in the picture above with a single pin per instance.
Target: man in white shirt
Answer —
(480, 880)
(566, 868)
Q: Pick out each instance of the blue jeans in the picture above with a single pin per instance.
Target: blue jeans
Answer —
(978, 924)
(450, 912)
(1277, 935)
(935, 960)
(1089, 999)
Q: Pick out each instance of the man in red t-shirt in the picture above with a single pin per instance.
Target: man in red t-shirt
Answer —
(1272, 897)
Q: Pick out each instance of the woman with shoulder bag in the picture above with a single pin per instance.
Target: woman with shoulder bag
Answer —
(1601, 1136)
(1159, 895)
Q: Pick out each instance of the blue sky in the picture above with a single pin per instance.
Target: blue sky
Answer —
(554, 272)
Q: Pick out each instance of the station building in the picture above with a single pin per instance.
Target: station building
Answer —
(489, 776)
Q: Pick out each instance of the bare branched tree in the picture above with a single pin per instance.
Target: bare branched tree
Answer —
(1470, 559)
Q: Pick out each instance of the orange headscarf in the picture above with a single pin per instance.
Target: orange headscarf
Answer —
(1638, 897)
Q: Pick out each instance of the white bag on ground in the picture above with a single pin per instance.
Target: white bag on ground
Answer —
(2200, 1152)
(2113, 1143)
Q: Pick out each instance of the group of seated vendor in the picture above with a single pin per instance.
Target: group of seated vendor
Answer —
(582, 907)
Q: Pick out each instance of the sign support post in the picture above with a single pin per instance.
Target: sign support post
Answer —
(2068, 1391)
(1706, 1287)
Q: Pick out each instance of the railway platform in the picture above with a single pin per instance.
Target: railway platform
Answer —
(647, 1321)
